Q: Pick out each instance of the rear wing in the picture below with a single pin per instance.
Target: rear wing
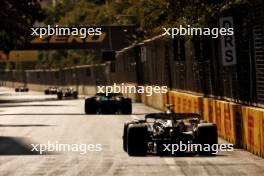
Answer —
(172, 116)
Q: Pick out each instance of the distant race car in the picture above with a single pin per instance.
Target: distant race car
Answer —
(111, 103)
(21, 89)
(51, 91)
(161, 133)
(67, 93)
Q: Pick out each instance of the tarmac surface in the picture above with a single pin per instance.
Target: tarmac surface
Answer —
(28, 119)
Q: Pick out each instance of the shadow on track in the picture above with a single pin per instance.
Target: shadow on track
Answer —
(16, 146)
(44, 114)
(74, 114)
(28, 100)
(23, 105)
(24, 125)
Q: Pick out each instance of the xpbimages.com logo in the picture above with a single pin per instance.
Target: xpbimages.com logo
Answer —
(131, 89)
(191, 147)
(82, 32)
(214, 32)
(58, 147)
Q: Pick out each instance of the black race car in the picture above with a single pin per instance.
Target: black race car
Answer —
(67, 93)
(51, 91)
(162, 133)
(111, 103)
(21, 89)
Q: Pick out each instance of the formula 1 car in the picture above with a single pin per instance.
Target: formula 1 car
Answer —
(51, 91)
(21, 89)
(67, 93)
(111, 103)
(162, 133)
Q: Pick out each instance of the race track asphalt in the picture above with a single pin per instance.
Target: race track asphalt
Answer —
(34, 118)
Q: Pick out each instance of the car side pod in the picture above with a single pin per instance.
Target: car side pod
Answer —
(206, 134)
(137, 140)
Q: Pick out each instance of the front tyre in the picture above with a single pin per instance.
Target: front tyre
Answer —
(206, 135)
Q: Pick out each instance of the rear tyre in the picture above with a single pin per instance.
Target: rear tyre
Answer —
(46, 92)
(126, 124)
(75, 95)
(137, 140)
(59, 95)
(126, 106)
(206, 135)
(90, 106)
